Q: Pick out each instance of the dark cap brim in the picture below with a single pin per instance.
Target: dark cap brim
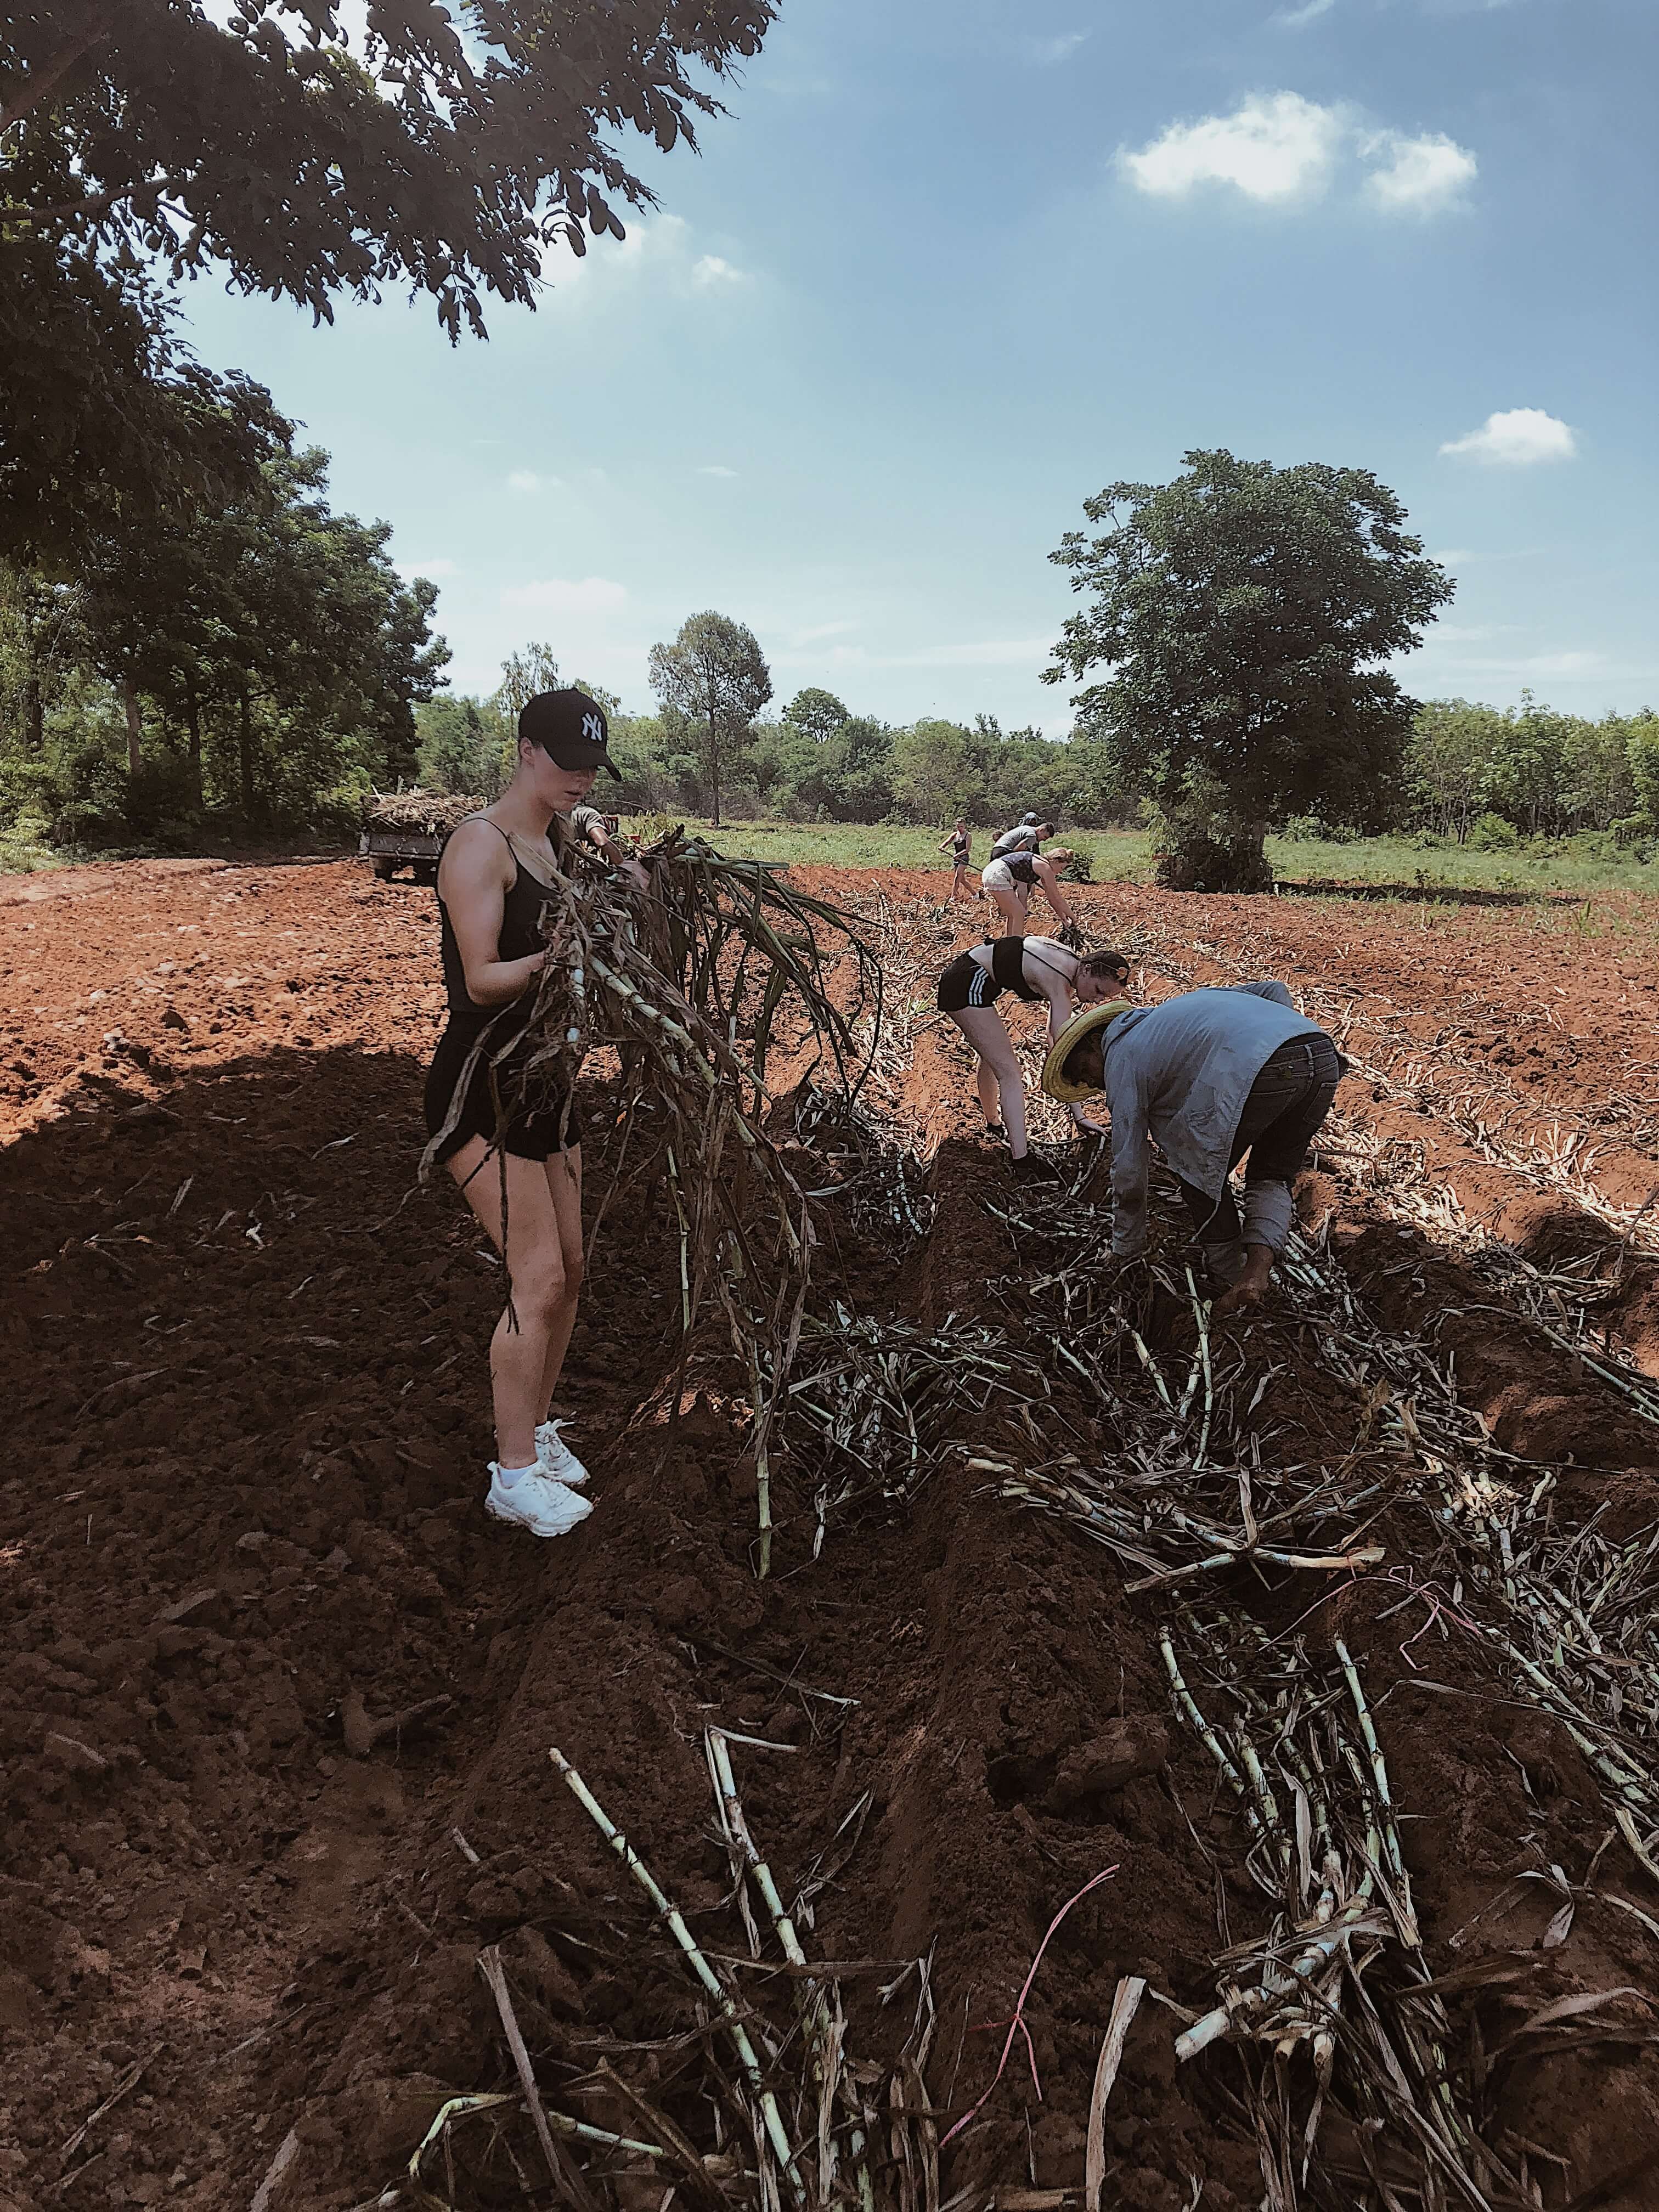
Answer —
(578, 756)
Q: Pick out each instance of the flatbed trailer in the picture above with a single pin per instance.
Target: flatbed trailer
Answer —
(388, 850)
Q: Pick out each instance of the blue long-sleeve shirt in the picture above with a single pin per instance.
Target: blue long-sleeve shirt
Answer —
(1180, 1072)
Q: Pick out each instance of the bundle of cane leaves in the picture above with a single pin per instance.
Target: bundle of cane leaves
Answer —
(796, 2120)
(1192, 1480)
(880, 1182)
(745, 947)
(1330, 2008)
(874, 1404)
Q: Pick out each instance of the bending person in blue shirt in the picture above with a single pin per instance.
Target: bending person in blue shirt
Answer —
(1212, 1074)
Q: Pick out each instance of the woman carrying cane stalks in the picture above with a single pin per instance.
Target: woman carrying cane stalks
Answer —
(521, 1175)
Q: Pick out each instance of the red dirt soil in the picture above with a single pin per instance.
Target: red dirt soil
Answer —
(244, 1390)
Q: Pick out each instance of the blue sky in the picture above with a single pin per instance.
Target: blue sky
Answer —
(948, 266)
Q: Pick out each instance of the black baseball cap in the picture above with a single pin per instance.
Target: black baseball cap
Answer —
(569, 727)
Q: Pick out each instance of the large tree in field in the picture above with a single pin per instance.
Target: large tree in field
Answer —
(714, 676)
(1245, 613)
(441, 147)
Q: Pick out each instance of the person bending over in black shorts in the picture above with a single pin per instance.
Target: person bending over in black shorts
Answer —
(1032, 968)
(1212, 1074)
(493, 881)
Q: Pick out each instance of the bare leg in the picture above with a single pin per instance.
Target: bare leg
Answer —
(564, 1182)
(532, 1245)
(983, 1027)
(990, 1096)
(1012, 912)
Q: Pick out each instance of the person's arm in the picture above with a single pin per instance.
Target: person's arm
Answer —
(1127, 1099)
(942, 842)
(474, 892)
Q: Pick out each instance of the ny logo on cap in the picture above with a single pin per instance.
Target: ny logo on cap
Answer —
(593, 728)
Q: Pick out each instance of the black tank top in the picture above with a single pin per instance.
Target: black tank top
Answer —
(521, 927)
(1008, 968)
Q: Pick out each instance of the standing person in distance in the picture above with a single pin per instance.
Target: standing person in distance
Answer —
(1212, 1074)
(1037, 969)
(961, 845)
(494, 880)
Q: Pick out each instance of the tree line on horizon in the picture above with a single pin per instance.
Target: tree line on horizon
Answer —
(306, 677)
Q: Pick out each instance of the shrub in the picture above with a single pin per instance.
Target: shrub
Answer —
(1491, 833)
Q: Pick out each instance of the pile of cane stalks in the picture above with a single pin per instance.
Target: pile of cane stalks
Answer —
(694, 980)
(798, 2124)
(427, 813)
(1361, 2079)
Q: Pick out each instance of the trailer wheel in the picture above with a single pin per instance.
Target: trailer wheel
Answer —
(385, 867)
(426, 872)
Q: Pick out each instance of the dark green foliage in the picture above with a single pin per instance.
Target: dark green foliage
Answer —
(259, 656)
(143, 133)
(1539, 773)
(1245, 613)
(712, 681)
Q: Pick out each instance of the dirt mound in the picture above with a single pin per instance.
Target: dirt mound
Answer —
(241, 1533)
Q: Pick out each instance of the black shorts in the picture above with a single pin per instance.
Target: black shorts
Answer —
(956, 984)
(533, 1133)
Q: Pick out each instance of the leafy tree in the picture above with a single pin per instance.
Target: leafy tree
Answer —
(936, 773)
(715, 678)
(1642, 757)
(817, 713)
(525, 674)
(446, 151)
(107, 423)
(442, 154)
(466, 746)
(1245, 612)
(1448, 762)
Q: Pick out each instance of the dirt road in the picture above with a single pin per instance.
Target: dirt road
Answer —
(246, 1421)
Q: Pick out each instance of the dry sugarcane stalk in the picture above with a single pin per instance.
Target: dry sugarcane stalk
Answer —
(673, 1920)
(1125, 2002)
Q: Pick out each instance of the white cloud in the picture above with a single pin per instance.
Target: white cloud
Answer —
(593, 595)
(1280, 148)
(526, 480)
(714, 469)
(710, 269)
(1516, 437)
(1420, 176)
(1275, 147)
(1293, 19)
(1045, 52)
(434, 571)
(1454, 556)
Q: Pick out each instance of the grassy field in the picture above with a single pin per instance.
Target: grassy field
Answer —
(1126, 856)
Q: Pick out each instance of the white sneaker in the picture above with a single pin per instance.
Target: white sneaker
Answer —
(546, 1509)
(556, 1459)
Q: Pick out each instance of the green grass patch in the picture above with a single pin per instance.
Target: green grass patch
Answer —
(1572, 865)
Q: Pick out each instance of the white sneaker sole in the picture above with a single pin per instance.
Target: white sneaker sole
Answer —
(544, 1530)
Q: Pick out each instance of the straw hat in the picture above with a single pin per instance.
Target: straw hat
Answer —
(1055, 1083)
